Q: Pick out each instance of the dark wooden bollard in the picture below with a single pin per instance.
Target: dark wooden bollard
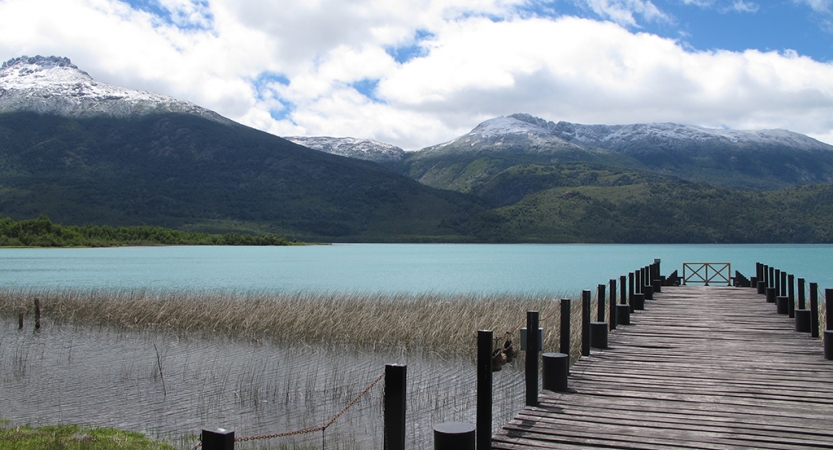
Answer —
(657, 286)
(770, 295)
(598, 334)
(612, 304)
(828, 333)
(638, 302)
(454, 436)
(753, 282)
(20, 322)
(803, 320)
(566, 307)
(814, 309)
(556, 370)
(781, 304)
(396, 376)
(623, 314)
(802, 298)
(585, 323)
(533, 346)
(217, 439)
(762, 287)
(601, 309)
(648, 292)
(484, 390)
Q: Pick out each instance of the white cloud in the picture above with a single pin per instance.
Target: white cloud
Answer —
(293, 68)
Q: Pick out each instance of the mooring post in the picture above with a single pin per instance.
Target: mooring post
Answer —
(802, 315)
(814, 309)
(484, 389)
(612, 304)
(791, 295)
(566, 305)
(623, 299)
(217, 439)
(783, 284)
(771, 277)
(532, 349)
(802, 298)
(585, 323)
(454, 436)
(828, 332)
(396, 376)
(630, 289)
(37, 313)
(599, 328)
(781, 304)
(770, 295)
(759, 271)
(777, 282)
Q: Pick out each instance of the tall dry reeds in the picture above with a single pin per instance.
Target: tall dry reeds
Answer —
(432, 323)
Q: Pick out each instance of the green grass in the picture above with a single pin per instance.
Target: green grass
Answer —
(74, 437)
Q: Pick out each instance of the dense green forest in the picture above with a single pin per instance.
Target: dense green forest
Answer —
(41, 232)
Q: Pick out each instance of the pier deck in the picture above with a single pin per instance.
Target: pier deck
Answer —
(700, 367)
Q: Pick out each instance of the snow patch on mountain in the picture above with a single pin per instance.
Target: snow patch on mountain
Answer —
(366, 149)
(618, 137)
(53, 85)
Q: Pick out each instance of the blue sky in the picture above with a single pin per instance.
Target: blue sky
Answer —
(421, 72)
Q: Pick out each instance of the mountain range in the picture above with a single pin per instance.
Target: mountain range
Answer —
(82, 151)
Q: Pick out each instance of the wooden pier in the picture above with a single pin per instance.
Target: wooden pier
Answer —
(699, 368)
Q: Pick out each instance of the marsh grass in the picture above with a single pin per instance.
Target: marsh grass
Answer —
(441, 324)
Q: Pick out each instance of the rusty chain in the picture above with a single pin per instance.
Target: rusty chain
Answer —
(309, 430)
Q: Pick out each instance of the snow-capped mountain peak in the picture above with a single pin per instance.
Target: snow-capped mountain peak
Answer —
(53, 85)
(365, 149)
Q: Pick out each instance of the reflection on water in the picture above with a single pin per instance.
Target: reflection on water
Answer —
(102, 377)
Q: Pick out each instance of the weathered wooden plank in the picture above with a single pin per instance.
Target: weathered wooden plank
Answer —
(701, 367)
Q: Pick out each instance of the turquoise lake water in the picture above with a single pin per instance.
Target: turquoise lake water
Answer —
(415, 268)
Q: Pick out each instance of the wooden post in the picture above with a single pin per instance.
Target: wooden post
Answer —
(484, 389)
(771, 277)
(454, 436)
(585, 323)
(217, 439)
(791, 295)
(612, 304)
(556, 372)
(623, 296)
(565, 325)
(802, 302)
(777, 282)
(630, 288)
(828, 332)
(814, 309)
(37, 313)
(396, 376)
(532, 349)
(770, 295)
(783, 284)
(20, 322)
(601, 306)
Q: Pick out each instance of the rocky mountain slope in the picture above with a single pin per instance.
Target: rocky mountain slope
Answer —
(82, 152)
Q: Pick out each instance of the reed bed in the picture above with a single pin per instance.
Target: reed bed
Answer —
(441, 324)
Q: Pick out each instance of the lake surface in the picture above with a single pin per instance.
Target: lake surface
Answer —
(416, 268)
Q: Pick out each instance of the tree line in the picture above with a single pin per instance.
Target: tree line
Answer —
(41, 232)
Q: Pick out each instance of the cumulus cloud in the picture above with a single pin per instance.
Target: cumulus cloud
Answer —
(422, 72)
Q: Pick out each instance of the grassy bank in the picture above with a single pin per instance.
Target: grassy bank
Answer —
(445, 325)
(74, 437)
